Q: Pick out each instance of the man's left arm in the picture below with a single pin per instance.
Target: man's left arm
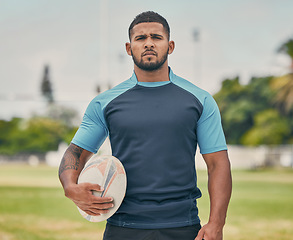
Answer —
(220, 188)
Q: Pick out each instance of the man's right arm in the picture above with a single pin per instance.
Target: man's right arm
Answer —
(71, 165)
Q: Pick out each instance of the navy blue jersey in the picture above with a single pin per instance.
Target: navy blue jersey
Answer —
(154, 129)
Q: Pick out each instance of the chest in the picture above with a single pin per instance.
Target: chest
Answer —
(148, 109)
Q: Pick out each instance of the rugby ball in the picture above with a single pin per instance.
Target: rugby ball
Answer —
(109, 173)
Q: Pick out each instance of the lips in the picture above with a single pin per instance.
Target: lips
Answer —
(149, 52)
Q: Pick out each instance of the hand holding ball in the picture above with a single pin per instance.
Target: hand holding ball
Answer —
(109, 173)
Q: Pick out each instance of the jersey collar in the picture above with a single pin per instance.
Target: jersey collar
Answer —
(171, 78)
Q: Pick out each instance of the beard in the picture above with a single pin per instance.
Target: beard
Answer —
(150, 66)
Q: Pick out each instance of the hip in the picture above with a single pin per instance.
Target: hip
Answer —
(122, 233)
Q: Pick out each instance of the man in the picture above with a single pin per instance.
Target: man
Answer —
(154, 121)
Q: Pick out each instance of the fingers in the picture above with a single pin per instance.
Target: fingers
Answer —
(210, 231)
(95, 213)
(99, 209)
(200, 235)
(96, 189)
(95, 209)
(96, 203)
(104, 206)
(87, 197)
(99, 200)
(92, 187)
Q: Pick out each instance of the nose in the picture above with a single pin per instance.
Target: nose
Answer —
(149, 43)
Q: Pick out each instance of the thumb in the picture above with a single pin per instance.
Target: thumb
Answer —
(94, 187)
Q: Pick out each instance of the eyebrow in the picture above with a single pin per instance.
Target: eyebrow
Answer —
(145, 35)
(156, 35)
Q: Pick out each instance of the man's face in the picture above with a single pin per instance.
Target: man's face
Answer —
(149, 46)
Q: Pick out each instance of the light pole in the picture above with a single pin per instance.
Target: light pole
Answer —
(103, 36)
(197, 57)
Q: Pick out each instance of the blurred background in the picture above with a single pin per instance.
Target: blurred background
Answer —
(58, 55)
(55, 56)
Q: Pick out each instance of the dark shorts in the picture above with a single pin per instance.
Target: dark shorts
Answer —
(122, 233)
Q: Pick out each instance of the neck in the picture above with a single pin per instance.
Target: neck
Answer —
(158, 75)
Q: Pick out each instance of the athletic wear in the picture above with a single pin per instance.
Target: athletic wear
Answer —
(154, 129)
(122, 233)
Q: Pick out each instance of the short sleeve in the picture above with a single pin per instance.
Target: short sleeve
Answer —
(210, 133)
(92, 131)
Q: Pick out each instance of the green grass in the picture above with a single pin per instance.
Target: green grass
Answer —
(261, 205)
(33, 206)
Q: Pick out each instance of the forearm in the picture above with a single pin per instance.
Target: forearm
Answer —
(220, 187)
(71, 165)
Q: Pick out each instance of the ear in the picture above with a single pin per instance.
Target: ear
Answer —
(171, 47)
(128, 48)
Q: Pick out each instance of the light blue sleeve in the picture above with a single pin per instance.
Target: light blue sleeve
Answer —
(210, 133)
(93, 130)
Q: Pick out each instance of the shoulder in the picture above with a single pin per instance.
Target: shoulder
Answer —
(202, 95)
(104, 98)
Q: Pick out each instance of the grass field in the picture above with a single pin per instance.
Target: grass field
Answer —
(33, 206)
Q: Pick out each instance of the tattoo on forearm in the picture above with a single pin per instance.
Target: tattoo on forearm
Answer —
(71, 159)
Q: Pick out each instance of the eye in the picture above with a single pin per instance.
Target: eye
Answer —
(140, 38)
(157, 37)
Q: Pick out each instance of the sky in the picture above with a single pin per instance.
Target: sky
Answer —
(83, 42)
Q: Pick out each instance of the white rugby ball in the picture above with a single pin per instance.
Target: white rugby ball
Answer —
(109, 173)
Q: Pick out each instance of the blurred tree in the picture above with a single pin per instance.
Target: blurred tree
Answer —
(284, 87)
(239, 103)
(46, 85)
(259, 91)
(287, 48)
(260, 112)
(8, 129)
(66, 115)
(269, 128)
(234, 109)
(41, 134)
(244, 112)
(35, 135)
(284, 84)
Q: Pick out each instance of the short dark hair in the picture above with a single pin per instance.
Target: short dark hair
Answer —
(149, 16)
